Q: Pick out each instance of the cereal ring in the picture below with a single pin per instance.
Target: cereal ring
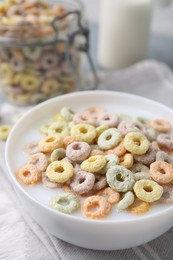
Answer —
(124, 117)
(58, 154)
(127, 126)
(126, 160)
(139, 207)
(136, 143)
(6, 73)
(65, 202)
(32, 53)
(109, 139)
(164, 157)
(83, 182)
(49, 184)
(31, 148)
(83, 132)
(100, 182)
(111, 160)
(161, 172)
(155, 146)
(119, 150)
(44, 128)
(67, 113)
(96, 152)
(59, 171)
(58, 118)
(50, 86)
(50, 143)
(151, 134)
(147, 158)
(68, 140)
(4, 132)
(140, 171)
(148, 190)
(78, 151)
(96, 207)
(111, 120)
(28, 174)
(30, 82)
(39, 160)
(111, 195)
(94, 163)
(144, 121)
(126, 201)
(100, 129)
(58, 129)
(161, 125)
(165, 141)
(120, 179)
(94, 110)
(84, 119)
(167, 196)
(49, 60)
(18, 65)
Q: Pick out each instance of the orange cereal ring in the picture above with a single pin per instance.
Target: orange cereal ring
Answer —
(28, 174)
(50, 143)
(96, 152)
(139, 207)
(127, 160)
(68, 140)
(161, 125)
(161, 172)
(96, 207)
(111, 195)
(119, 150)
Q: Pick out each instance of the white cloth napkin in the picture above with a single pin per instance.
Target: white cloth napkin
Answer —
(22, 238)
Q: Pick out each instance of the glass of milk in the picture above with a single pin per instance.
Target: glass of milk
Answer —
(124, 32)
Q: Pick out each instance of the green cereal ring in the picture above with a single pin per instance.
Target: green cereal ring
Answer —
(151, 134)
(67, 113)
(58, 129)
(65, 202)
(109, 139)
(44, 128)
(59, 171)
(143, 120)
(140, 171)
(127, 200)
(94, 163)
(83, 132)
(120, 179)
(4, 132)
(112, 160)
(148, 190)
(136, 143)
(57, 154)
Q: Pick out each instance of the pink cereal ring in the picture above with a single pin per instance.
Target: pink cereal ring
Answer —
(161, 172)
(164, 157)
(147, 158)
(84, 119)
(165, 141)
(39, 160)
(83, 182)
(31, 148)
(78, 151)
(161, 125)
(100, 182)
(49, 184)
(108, 119)
(167, 196)
(127, 126)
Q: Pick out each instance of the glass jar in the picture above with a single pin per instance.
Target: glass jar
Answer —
(40, 49)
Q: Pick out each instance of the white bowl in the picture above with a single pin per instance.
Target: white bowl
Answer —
(119, 230)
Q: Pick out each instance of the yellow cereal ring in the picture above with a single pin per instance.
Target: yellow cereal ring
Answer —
(28, 174)
(127, 160)
(6, 73)
(148, 190)
(30, 82)
(50, 143)
(4, 132)
(60, 171)
(100, 129)
(136, 143)
(94, 163)
(83, 132)
(139, 207)
(58, 129)
(50, 86)
(58, 117)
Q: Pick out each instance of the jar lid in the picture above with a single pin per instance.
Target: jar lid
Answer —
(35, 22)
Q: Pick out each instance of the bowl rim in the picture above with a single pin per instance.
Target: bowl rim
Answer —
(58, 213)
